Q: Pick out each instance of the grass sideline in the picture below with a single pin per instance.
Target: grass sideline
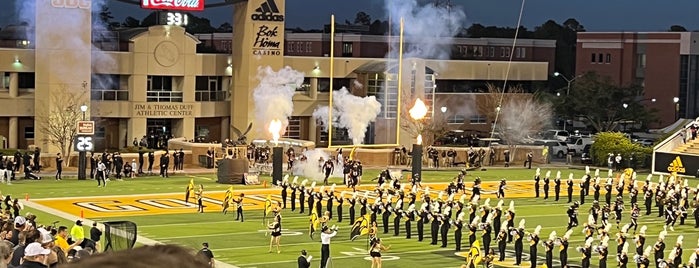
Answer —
(246, 244)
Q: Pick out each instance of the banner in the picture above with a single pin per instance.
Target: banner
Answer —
(684, 165)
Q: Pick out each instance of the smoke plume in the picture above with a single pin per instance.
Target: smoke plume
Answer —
(273, 96)
(311, 168)
(522, 118)
(351, 112)
(428, 28)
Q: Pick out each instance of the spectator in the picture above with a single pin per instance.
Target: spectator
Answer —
(35, 256)
(5, 253)
(206, 255)
(24, 236)
(96, 235)
(159, 256)
(304, 260)
(20, 224)
(77, 233)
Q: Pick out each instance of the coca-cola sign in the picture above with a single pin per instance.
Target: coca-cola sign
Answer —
(173, 4)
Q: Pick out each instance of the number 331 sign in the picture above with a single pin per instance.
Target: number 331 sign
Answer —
(84, 144)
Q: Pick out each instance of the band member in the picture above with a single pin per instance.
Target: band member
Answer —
(675, 256)
(608, 191)
(497, 214)
(659, 247)
(444, 227)
(458, 226)
(547, 181)
(294, 186)
(398, 214)
(640, 240)
(586, 252)
(621, 239)
(548, 248)
(510, 221)
(570, 188)
(518, 235)
(59, 168)
(434, 227)
(563, 248)
(385, 213)
(331, 197)
(487, 233)
(352, 202)
(635, 213)
(582, 192)
(302, 195)
(409, 216)
(603, 252)
(421, 220)
(623, 259)
(557, 187)
(472, 229)
(533, 244)
(310, 200)
(239, 203)
(596, 188)
(536, 181)
(285, 185)
(340, 199)
(502, 241)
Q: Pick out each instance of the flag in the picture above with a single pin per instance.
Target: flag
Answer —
(228, 197)
(360, 227)
(351, 155)
(474, 254)
(268, 207)
(313, 221)
(188, 191)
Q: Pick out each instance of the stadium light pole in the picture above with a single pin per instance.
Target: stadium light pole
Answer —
(82, 155)
(569, 81)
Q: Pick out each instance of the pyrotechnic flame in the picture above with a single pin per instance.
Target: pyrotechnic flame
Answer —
(419, 139)
(275, 128)
(419, 110)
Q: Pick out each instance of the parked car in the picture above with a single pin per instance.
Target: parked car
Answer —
(645, 142)
(557, 148)
(578, 143)
(586, 157)
(560, 135)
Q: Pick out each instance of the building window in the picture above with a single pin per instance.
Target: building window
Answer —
(608, 59)
(520, 52)
(347, 49)
(159, 83)
(305, 86)
(593, 58)
(642, 60)
(5, 82)
(293, 130)
(25, 80)
(28, 132)
(491, 52)
(456, 119)
(478, 119)
(209, 88)
(600, 58)
(324, 84)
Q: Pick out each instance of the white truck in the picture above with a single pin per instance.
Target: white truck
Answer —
(578, 143)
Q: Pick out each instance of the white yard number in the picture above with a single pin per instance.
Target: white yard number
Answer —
(85, 144)
(177, 19)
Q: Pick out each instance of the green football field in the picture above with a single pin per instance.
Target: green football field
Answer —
(246, 244)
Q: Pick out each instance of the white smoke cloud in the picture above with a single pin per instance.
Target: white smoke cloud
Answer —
(311, 168)
(521, 119)
(63, 31)
(351, 112)
(273, 96)
(427, 28)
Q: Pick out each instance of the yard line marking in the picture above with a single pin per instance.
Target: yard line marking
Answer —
(348, 257)
(199, 177)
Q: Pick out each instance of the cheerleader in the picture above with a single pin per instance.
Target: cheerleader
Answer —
(276, 229)
(198, 194)
(375, 252)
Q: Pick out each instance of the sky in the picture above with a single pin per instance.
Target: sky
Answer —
(595, 15)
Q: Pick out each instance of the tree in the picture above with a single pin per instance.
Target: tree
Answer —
(677, 28)
(600, 102)
(131, 22)
(59, 122)
(225, 28)
(573, 25)
(105, 17)
(362, 18)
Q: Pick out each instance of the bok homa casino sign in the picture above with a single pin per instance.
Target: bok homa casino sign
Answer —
(189, 5)
(268, 26)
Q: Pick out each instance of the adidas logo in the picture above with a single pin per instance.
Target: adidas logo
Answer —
(268, 11)
(676, 166)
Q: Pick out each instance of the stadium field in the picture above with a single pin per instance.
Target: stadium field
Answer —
(156, 206)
